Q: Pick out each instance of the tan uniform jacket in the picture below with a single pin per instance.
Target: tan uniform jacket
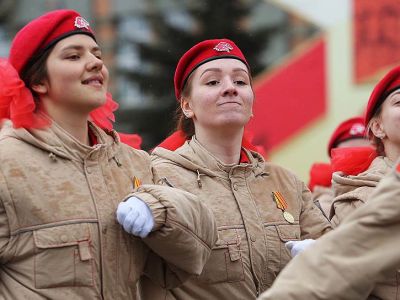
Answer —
(59, 238)
(346, 263)
(323, 197)
(250, 250)
(351, 192)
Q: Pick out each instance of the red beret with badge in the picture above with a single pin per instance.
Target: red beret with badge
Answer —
(201, 53)
(16, 100)
(348, 129)
(387, 85)
(43, 32)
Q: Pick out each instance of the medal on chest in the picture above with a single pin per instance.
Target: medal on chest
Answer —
(282, 205)
(136, 182)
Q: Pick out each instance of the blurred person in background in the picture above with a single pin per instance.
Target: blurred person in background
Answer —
(258, 206)
(63, 172)
(348, 134)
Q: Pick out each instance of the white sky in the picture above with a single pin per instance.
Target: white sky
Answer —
(322, 12)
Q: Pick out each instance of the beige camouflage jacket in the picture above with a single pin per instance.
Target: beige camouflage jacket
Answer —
(250, 250)
(59, 238)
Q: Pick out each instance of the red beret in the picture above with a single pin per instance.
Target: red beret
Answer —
(388, 84)
(43, 32)
(201, 53)
(349, 129)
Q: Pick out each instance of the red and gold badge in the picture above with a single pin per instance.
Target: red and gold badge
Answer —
(282, 205)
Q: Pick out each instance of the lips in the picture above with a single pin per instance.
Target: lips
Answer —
(229, 102)
(94, 81)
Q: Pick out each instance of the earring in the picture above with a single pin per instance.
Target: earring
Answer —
(381, 136)
(187, 114)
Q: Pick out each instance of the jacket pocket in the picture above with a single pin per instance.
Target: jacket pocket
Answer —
(277, 254)
(225, 263)
(63, 256)
(287, 233)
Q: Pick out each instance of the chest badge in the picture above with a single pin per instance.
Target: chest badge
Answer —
(136, 182)
(282, 205)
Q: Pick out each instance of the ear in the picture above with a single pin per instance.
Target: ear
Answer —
(40, 88)
(377, 129)
(186, 108)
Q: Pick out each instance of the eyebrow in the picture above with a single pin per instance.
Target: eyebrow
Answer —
(80, 47)
(220, 70)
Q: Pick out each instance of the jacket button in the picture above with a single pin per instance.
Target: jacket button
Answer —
(235, 186)
(88, 170)
(253, 238)
(64, 238)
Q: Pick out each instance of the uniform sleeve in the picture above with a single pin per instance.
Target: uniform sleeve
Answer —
(4, 231)
(186, 230)
(313, 223)
(4, 223)
(183, 234)
(345, 204)
(346, 263)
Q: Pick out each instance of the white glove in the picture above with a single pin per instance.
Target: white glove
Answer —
(295, 247)
(135, 216)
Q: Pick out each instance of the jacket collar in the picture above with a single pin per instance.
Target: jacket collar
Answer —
(58, 142)
(192, 155)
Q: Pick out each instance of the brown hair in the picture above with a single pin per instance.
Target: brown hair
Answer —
(377, 142)
(36, 71)
(182, 122)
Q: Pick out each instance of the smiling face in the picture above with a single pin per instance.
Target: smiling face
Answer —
(220, 95)
(76, 76)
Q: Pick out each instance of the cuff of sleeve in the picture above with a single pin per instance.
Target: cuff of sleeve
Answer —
(158, 210)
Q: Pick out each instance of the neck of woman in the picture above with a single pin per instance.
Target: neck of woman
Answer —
(75, 123)
(224, 144)
(392, 151)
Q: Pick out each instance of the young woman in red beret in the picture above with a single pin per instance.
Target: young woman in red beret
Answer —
(352, 191)
(258, 206)
(63, 172)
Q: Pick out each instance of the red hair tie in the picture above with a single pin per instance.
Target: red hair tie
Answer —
(104, 116)
(16, 100)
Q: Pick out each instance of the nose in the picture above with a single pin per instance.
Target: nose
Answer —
(95, 63)
(229, 88)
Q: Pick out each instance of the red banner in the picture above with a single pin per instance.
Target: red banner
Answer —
(290, 97)
(376, 37)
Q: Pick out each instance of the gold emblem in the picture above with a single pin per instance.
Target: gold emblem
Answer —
(288, 217)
